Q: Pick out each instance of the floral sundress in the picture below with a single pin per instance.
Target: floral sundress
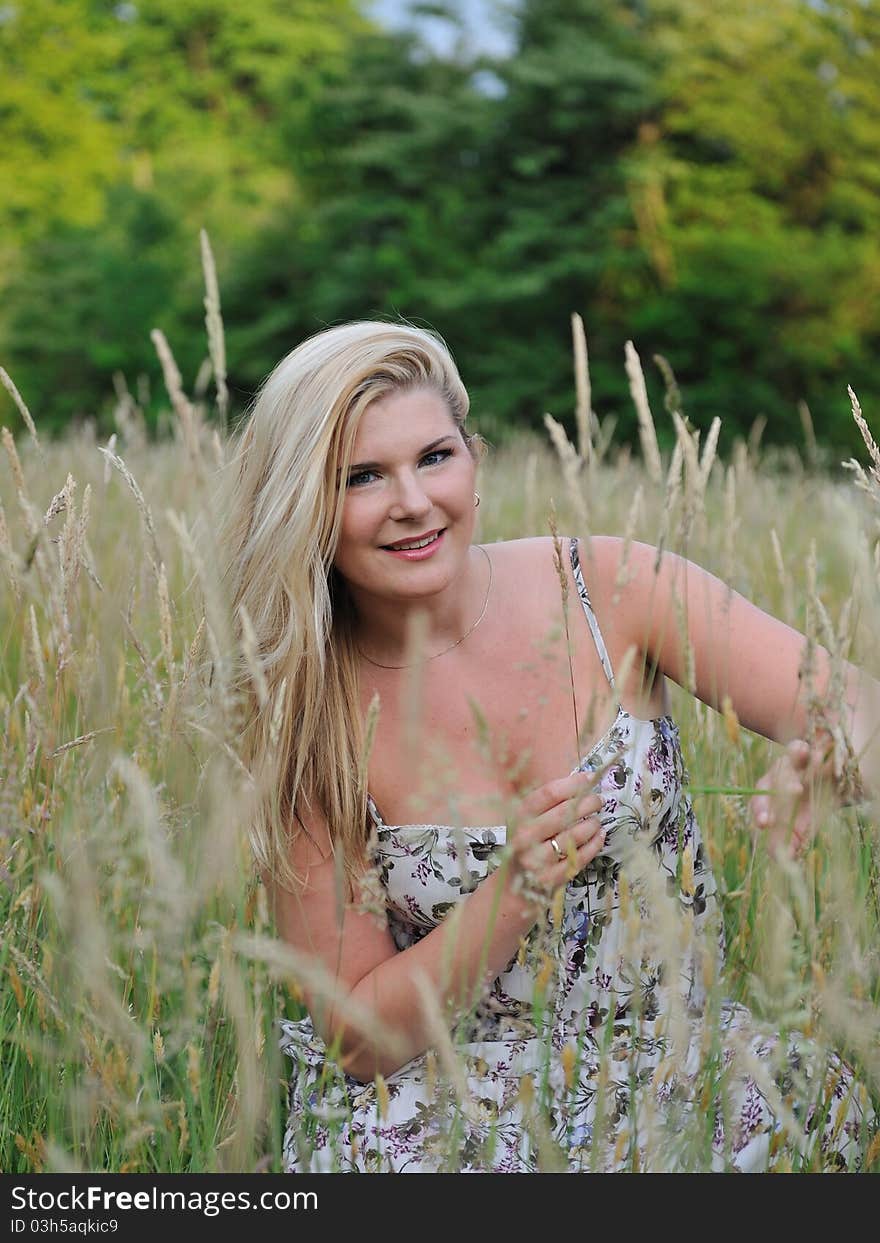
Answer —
(602, 1045)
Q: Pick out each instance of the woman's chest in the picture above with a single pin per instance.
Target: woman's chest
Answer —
(427, 867)
(457, 756)
(457, 744)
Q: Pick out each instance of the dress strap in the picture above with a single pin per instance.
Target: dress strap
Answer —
(588, 609)
(378, 822)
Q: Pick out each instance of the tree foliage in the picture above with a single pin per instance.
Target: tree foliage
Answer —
(703, 179)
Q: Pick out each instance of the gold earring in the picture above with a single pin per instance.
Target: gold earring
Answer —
(476, 499)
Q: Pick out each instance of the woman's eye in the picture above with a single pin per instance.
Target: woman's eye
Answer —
(430, 459)
(355, 480)
(438, 454)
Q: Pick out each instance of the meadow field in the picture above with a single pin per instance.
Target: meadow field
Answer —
(142, 984)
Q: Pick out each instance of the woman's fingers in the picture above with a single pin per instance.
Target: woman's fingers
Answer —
(578, 809)
(786, 814)
(575, 804)
(783, 807)
(798, 752)
(556, 793)
(583, 843)
(548, 865)
(761, 810)
(784, 787)
(540, 851)
(556, 832)
(586, 852)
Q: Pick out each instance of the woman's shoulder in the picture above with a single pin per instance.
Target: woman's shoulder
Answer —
(599, 556)
(614, 570)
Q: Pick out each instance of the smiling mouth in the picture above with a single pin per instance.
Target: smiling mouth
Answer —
(420, 541)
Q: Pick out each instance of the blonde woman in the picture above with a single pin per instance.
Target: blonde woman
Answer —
(496, 975)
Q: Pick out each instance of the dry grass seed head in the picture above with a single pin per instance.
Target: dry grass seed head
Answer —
(59, 501)
(8, 384)
(153, 553)
(183, 407)
(583, 408)
(647, 430)
(36, 648)
(214, 325)
(8, 557)
(27, 509)
(870, 443)
(165, 627)
(571, 462)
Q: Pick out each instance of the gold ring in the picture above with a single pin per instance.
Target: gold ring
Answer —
(556, 850)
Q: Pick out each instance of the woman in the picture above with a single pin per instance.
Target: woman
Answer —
(524, 993)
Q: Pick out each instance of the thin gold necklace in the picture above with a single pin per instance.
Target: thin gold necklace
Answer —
(379, 665)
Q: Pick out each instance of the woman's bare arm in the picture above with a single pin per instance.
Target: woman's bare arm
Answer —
(457, 960)
(737, 651)
(367, 967)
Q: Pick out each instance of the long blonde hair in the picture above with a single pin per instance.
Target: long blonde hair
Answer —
(296, 663)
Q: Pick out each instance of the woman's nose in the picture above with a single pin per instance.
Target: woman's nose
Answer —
(410, 497)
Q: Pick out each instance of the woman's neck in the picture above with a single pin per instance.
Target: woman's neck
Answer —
(391, 631)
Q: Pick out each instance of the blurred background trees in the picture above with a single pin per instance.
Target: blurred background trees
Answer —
(703, 179)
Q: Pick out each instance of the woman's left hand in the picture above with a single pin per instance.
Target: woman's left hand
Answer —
(787, 813)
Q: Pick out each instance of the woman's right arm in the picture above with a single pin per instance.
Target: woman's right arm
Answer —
(457, 960)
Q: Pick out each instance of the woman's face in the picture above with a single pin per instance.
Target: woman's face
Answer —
(412, 476)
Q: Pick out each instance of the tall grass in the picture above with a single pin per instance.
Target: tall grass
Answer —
(143, 981)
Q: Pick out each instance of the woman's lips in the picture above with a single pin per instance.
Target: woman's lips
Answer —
(418, 554)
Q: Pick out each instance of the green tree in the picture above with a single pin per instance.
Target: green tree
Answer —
(580, 84)
(393, 206)
(703, 179)
(757, 197)
(59, 149)
(185, 105)
(485, 213)
(83, 308)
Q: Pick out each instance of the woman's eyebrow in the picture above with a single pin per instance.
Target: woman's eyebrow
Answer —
(356, 466)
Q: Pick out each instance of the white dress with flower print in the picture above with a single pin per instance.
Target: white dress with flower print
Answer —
(601, 1046)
